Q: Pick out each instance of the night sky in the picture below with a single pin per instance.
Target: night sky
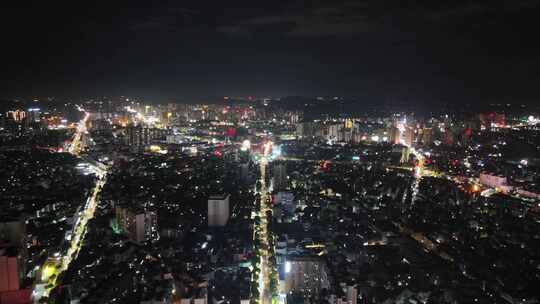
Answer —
(474, 51)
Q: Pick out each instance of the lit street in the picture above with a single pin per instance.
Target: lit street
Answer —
(267, 274)
(59, 263)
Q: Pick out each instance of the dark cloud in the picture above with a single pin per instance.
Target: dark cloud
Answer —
(313, 22)
(382, 16)
(416, 49)
(167, 19)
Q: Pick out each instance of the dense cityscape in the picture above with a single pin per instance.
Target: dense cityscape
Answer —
(267, 200)
(270, 152)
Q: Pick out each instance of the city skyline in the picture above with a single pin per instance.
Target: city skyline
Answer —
(258, 202)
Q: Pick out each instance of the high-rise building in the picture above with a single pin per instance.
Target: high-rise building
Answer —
(139, 225)
(101, 125)
(279, 176)
(244, 172)
(449, 137)
(34, 114)
(335, 132)
(293, 117)
(16, 115)
(354, 132)
(175, 139)
(304, 130)
(218, 210)
(495, 181)
(352, 294)
(408, 136)
(138, 136)
(13, 261)
(427, 136)
(286, 199)
(10, 269)
(394, 135)
(306, 275)
(492, 119)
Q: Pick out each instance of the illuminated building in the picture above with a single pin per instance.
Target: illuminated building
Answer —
(448, 137)
(201, 297)
(174, 139)
(494, 181)
(34, 114)
(279, 176)
(492, 119)
(529, 193)
(348, 123)
(304, 130)
(138, 136)
(306, 275)
(166, 118)
(16, 115)
(101, 125)
(139, 226)
(293, 117)
(352, 295)
(218, 210)
(426, 137)
(12, 261)
(394, 135)
(10, 269)
(408, 136)
(335, 132)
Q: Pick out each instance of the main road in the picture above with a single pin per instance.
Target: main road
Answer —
(59, 262)
(75, 146)
(265, 292)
